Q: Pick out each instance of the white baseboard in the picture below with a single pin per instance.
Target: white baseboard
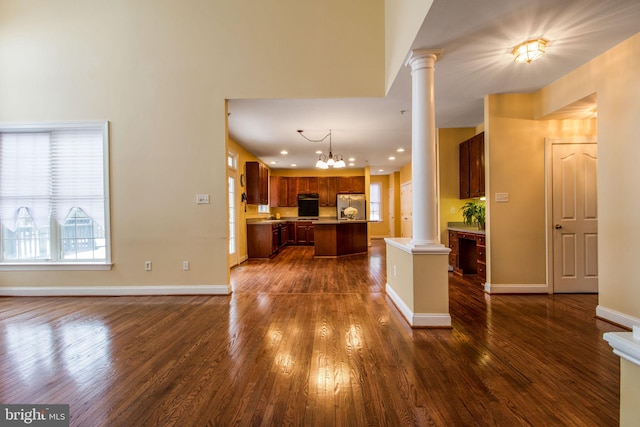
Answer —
(419, 320)
(516, 289)
(45, 291)
(617, 317)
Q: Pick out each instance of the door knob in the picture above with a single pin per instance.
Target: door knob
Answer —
(558, 226)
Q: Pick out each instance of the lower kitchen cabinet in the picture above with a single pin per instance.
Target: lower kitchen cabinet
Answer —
(304, 233)
(263, 240)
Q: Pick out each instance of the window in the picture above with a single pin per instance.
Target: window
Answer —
(54, 195)
(375, 204)
(232, 161)
(231, 181)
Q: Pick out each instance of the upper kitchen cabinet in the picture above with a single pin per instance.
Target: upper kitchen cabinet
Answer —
(284, 191)
(308, 185)
(327, 189)
(351, 184)
(288, 191)
(472, 167)
(257, 181)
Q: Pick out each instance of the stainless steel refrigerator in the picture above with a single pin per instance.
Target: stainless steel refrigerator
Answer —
(351, 200)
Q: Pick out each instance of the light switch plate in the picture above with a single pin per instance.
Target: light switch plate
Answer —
(202, 199)
(502, 197)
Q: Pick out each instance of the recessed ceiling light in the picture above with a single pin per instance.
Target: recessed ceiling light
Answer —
(380, 170)
(283, 152)
(352, 164)
(319, 152)
(351, 159)
(293, 165)
(391, 158)
(273, 163)
(400, 150)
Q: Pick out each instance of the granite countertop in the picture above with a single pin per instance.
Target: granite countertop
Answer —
(461, 226)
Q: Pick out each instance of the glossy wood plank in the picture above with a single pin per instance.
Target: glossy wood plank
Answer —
(306, 341)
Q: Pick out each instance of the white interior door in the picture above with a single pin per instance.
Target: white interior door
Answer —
(406, 222)
(575, 218)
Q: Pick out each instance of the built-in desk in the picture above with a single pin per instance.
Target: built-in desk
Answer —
(468, 252)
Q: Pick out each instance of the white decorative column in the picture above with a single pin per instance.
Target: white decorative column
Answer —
(417, 268)
(423, 149)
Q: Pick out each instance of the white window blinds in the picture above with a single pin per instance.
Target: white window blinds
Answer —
(49, 173)
(25, 177)
(77, 175)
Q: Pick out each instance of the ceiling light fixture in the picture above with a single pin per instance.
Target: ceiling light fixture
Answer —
(326, 161)
(529, 51)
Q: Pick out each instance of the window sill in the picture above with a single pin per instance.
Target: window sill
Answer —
(51, 266)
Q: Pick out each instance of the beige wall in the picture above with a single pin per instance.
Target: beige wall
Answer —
(160, 73)
(515, 164)
(629, 393)
(613, 76)
(402, 22)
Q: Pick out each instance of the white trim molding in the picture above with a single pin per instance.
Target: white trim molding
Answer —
(616, 317)
(406, 244)
(625, 344)
(516, 289)
(418, 320)
(51, 291)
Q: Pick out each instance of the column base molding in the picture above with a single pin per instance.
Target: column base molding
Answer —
(418, 320)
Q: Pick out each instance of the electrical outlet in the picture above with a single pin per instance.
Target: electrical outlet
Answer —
(185, 265)
(147, 265)
(202, 199)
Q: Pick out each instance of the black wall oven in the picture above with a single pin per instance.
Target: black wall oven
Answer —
(309, 205)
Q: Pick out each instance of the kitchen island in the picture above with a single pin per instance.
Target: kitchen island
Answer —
(335, 238)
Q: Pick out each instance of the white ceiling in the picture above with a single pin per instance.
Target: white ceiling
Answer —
(477, 37)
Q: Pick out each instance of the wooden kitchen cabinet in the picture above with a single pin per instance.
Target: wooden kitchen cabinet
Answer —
(304, 233)
(257, 182)
(351, 184)
(307, 185)
(283, 192)
(274, 195)
(328, 190)
(262, 240)
(472, 167)
(291, 232)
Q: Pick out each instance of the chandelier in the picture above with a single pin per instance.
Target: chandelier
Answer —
(529, 51)
(326, 161)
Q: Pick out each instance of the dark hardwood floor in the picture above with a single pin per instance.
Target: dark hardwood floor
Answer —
(306, 341)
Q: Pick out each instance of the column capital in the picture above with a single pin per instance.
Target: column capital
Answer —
(422, 54)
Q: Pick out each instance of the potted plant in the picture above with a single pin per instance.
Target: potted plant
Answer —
(474, 213)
